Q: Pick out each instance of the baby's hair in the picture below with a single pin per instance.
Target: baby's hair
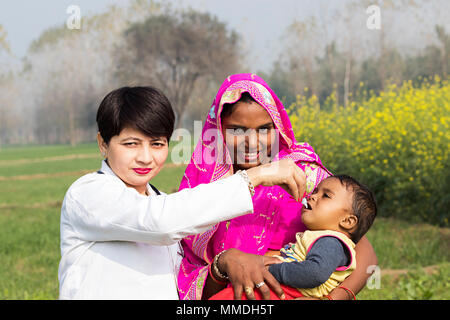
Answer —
(364, 205)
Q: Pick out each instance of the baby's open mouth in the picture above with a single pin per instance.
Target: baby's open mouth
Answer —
(305, 204)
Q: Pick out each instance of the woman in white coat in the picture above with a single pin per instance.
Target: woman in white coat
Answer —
(119, 234)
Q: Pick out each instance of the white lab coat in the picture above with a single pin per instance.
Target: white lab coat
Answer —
(119, 244)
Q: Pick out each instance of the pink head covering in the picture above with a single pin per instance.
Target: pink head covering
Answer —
(276, 216)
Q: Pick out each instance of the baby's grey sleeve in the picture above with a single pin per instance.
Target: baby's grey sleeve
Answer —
(324, 257)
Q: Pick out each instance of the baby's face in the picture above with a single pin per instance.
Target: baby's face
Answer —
(329, 203)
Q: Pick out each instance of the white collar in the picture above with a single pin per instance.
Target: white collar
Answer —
(107, 170)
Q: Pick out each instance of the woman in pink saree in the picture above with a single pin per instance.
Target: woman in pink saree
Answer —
(276, 217)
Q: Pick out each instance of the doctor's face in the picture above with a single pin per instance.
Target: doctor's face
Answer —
(134, 157)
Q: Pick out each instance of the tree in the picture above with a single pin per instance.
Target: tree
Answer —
(174, 51)
(5, 81)
(444, 40)
(69, 72)
(66, 73)
(303, 41)
(4, 45)
(282, 82)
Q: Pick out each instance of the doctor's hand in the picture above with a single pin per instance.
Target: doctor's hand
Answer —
(284, 173)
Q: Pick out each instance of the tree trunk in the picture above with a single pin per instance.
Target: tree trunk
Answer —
(72, 129)
(333, 77)
(382, 69)
(444, 61)
(310, 75)
(347, 81)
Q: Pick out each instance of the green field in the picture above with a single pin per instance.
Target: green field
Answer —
(414, 258)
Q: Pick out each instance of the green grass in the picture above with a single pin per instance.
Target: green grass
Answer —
(50, 167)
(29, 246)
(23, 193)
(409, 247)
(416, 284)
(401, 245)
(30, 213)
(168, 180)
(35, 152)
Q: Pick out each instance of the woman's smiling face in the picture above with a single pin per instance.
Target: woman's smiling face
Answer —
(249, 133)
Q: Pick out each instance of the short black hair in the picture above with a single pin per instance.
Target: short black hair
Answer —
(227, 109)
(143, 108)
(364, 205)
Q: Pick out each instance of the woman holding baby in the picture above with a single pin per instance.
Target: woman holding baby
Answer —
(252, 128)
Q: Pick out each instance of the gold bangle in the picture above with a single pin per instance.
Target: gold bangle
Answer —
(211, 273)
(215, 266)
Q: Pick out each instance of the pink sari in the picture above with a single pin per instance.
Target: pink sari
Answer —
(276, 216)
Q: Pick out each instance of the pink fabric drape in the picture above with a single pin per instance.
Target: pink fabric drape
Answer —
(276, 216)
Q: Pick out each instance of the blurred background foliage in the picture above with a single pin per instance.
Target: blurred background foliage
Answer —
(396, 142)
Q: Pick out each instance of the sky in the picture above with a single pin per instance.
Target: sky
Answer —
(260, 22)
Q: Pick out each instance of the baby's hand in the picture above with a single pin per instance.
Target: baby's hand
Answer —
(268, 261)
(272, 253)
(288, 246)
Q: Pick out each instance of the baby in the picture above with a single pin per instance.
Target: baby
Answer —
(337, 214)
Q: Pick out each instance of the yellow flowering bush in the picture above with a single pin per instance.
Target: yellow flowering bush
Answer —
(397, 143)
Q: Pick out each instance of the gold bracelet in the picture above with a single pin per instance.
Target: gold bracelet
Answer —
(215, 266)
(244, 175)
(211, 273)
